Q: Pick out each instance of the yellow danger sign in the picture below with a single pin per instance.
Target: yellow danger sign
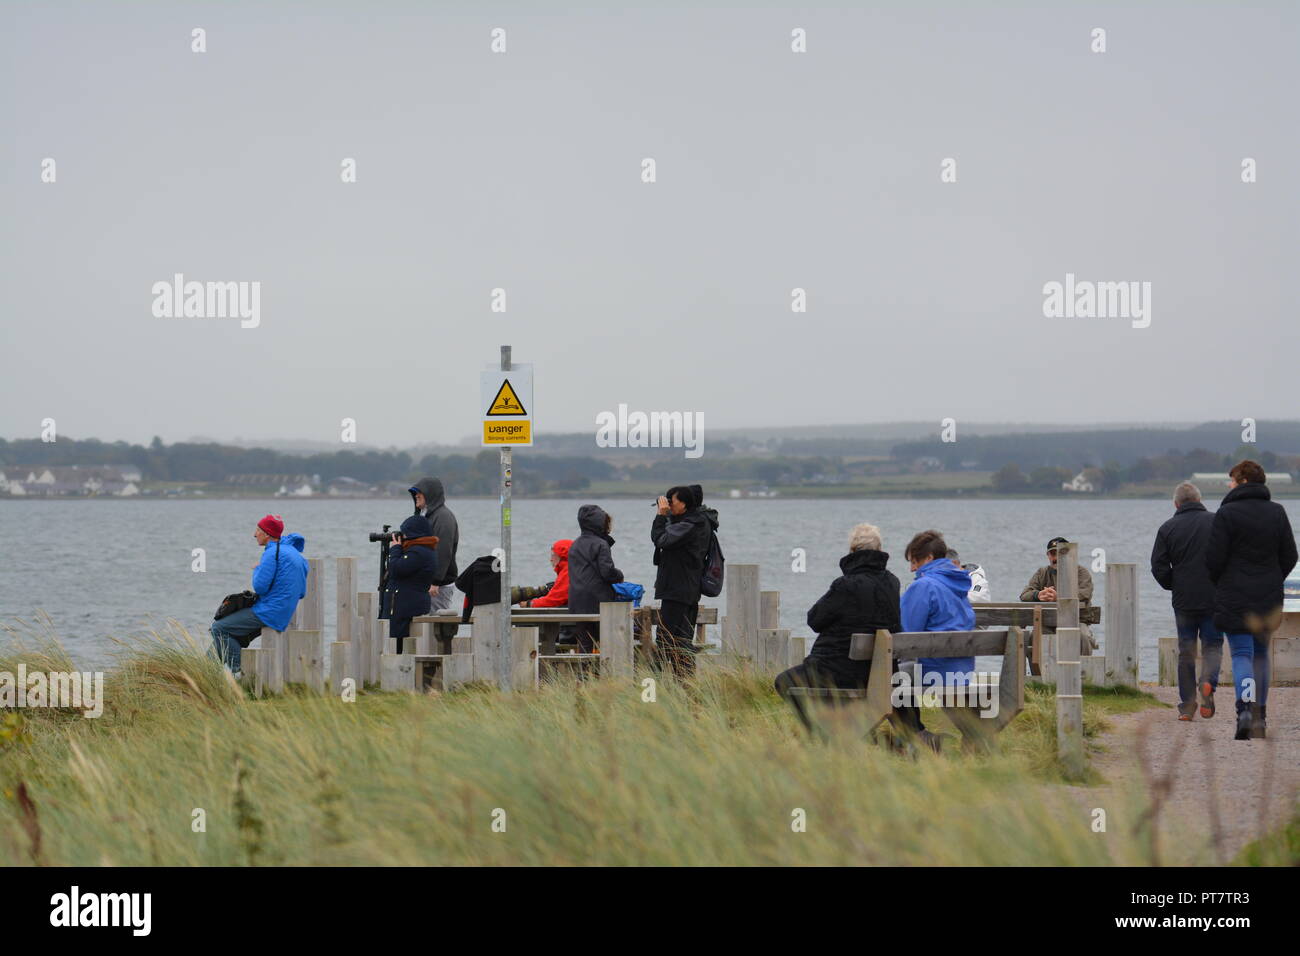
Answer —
(508, 433)
(506, 402)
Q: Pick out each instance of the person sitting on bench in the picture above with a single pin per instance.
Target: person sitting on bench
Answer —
(1042, 587)
(936, 600)
(862, 600)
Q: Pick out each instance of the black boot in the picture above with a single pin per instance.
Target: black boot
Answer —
(1243, 721)
(1258, 721)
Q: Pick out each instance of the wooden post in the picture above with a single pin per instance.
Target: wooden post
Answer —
(306, 660)
(251, 665)
(769, 609)
(523, 649)
(345, 596)
(797, 650)
(309, 615)
(378, 641)
(775, 642)
(1121, 624)
(397, 673)
(364, 628)
(485, 629)
(340, 661)
(1036, 655)
(1069, 701)
(742, 612)
(275, 662)
(616, 639)
(1067, 587)
(1167, 661)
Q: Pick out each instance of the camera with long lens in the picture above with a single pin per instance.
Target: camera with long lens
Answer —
(384, 539)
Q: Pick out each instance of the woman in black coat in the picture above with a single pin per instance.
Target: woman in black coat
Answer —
(412, 568)
(1250, 553)
(862, 600)
(592, 574)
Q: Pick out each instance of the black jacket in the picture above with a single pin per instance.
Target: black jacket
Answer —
(481, 584)
(1178, 558)
(1250, 552)
(681, 547)
(861, 601)
(411, 570)
(592, 574)
(444, 527)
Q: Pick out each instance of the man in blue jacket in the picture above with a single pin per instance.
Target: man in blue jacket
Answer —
(936, 600)
(279, 581)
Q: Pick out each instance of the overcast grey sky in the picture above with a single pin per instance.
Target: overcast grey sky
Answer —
(522, 170)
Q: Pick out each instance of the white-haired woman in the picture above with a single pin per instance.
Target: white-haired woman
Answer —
(861, 600)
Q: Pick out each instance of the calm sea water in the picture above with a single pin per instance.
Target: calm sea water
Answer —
(103, 567)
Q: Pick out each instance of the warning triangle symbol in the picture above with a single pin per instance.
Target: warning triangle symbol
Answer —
(506, 402)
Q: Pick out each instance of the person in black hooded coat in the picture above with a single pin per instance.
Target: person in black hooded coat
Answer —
(431, 501)
(1249, 555)
(592, 574)
(412, 568)
(681, 532)
(862, 600)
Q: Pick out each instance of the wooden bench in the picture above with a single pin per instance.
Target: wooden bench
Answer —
(883, 648)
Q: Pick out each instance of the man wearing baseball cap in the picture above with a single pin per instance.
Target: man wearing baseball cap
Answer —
(279, 583)
(1042, 587)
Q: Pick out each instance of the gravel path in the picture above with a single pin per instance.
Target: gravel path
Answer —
(1253, 785)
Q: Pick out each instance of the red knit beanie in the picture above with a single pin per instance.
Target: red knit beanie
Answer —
(272, 525)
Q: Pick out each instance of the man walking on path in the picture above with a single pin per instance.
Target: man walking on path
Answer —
(1178, 564)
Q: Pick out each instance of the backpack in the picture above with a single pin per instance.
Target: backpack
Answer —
(714, 562)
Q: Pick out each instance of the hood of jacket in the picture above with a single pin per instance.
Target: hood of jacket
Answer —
(416, 526)
(294, 541)
(1251, 489)
(591, 519)
(561, 550)
(864, 561)
(710, 514)
(943, 572)
(1189, 507)
(431, 488)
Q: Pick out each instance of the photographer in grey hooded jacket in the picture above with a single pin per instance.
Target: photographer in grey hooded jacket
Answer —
(431, 502)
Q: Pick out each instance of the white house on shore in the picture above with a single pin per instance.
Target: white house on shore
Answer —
(1079, 483)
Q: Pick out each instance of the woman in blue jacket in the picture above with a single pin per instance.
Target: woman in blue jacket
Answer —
(937, 600)
(412, 568)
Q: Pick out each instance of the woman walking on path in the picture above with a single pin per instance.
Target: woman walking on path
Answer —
(1250, 553)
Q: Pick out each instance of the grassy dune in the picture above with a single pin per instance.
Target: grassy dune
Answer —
(585, 774)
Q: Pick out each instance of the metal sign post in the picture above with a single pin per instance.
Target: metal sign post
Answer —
(504, 657)
(507, 402)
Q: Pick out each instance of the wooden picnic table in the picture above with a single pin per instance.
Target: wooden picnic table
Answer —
(550, 620)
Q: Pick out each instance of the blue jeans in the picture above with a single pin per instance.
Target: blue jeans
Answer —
(1250, 661)
(1191, 625)
(226, 634)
